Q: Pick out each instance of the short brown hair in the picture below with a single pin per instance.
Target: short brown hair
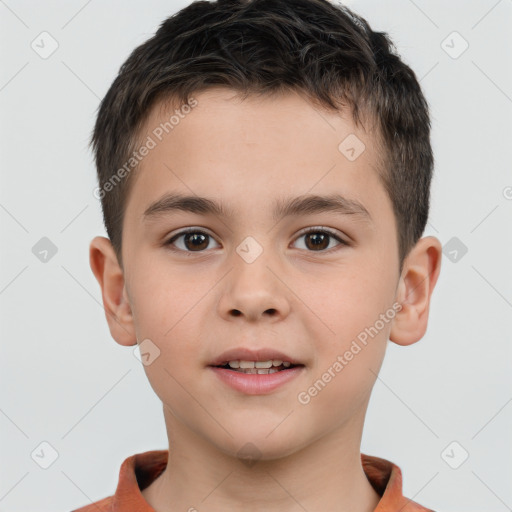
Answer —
(264, 46)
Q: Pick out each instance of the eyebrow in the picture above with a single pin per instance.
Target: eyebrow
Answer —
(302, 205)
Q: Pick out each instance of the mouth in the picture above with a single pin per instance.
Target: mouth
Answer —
(257, 377)
(256, 372)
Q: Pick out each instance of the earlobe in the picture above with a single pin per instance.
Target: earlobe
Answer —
(108, 273)
(419, 276)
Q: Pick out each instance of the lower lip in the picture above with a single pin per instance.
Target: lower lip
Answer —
(256, 384)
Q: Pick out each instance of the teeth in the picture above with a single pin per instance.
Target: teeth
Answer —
(258, 364)
(263, 364)
(259, 367)
(259, 371)
(248, 370)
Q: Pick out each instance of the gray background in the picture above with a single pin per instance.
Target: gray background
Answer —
(64, 380)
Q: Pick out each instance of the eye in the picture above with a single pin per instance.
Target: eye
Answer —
(193, 240)
(318, 239)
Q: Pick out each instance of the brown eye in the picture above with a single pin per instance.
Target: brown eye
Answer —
(195, 241)
(191, 241)
(319, 240)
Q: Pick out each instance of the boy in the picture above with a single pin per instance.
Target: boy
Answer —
(264, 170)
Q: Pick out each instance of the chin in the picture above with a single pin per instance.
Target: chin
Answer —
(258, 445)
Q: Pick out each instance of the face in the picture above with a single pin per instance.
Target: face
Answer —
(305, 282)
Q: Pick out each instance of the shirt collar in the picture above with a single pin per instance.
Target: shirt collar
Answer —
(140, 470)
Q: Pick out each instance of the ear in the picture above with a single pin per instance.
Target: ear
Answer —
(419, 276)
(105, 267)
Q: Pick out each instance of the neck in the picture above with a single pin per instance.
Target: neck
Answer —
(325, 475)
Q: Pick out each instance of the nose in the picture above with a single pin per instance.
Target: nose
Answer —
(254, 292)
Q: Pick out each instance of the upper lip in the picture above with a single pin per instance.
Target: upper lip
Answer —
(247, 354)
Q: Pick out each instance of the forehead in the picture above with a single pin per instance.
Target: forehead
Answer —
(255, 152)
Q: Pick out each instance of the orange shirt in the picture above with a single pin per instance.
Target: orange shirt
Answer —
(138, 471)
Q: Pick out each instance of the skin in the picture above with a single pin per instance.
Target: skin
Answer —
(307, 302)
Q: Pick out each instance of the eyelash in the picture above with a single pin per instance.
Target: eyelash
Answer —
(308, 231)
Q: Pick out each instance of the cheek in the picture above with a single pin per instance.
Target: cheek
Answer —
(165, 305)
(348, 298)
(175, 369)
(350, 351)
(163, 299)
(348, 362)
